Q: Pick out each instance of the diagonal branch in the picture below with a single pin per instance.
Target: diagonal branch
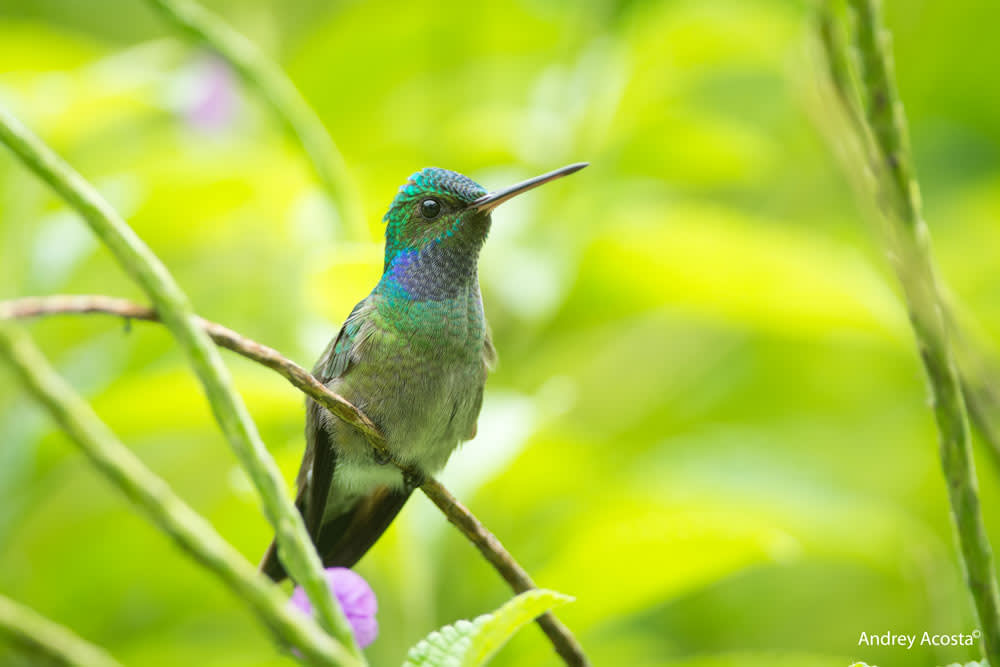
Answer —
(27, 627)
(979, 370)
(162, 506)
(491, 548)
(519, 580)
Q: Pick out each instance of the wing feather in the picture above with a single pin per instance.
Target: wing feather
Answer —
(320, 459)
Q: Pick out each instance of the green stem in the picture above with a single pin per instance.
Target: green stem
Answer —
(164, 508)
(983, 402)
(908, 241)
(978, 369)
(975, 365)
(838, 67)
(27, 627)
(280, 94)
(885, 114)
(295, 547)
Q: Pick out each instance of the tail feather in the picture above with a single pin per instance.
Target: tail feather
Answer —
(344, 539)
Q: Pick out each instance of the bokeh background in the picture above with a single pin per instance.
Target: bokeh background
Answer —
(708, 424)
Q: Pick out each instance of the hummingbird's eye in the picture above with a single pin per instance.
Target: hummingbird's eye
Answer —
(430, 208)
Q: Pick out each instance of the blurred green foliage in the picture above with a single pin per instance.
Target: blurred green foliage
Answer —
(708, 424)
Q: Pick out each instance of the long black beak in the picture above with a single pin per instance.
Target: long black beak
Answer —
(489, 202)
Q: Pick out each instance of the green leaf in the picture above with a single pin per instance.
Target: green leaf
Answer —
(473, 643)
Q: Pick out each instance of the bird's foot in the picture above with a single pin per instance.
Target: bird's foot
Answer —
(381, 456)
(413, 479)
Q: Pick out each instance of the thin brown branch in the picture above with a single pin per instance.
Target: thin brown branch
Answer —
(223, 337)
(501, 560)
(519, 580)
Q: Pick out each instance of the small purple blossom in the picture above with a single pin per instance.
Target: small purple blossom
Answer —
(211, 95)
(356, 599)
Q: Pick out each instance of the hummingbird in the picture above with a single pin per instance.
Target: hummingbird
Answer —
(413, 355)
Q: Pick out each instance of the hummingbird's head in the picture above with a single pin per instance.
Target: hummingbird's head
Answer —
(448, 212)
(435, 207)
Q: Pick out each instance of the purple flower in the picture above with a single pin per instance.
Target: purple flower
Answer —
(211, 96)
(356, 599)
